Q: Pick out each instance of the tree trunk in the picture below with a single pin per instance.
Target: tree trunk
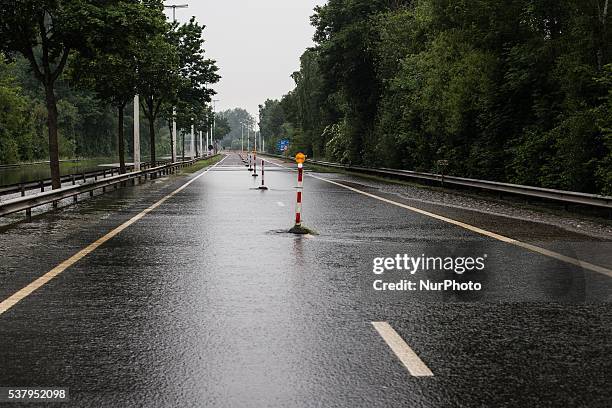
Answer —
(196, 143)
(603, 18)
(51, 102)
(152, 141)
(121, 141)
(183, 146)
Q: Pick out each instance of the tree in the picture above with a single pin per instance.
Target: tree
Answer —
(514, 91)
(45, 32)
(113, 72)
(195, 74)
(222, 128)
(16, 126)
(158, 80)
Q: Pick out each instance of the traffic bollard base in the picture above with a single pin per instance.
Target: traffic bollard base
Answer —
(263, 188)
(255, 175)
(300, 230)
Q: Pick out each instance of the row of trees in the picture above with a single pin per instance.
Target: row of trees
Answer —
(112, 49)
(517, 91)
(239, 124)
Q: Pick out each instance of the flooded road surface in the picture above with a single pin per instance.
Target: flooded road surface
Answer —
(205, 300)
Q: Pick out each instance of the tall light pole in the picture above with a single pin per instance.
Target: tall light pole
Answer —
(136, 132)
(174, 7)
(192, 144)
(242, 136)
(173, 135)
(214, 127)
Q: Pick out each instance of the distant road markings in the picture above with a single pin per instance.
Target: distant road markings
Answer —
(533, 248)
(280, 204)
(402, 350)
(38, 283)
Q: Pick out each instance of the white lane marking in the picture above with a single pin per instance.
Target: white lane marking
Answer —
(530, 247)
(11, 301)
(406, 355)
(280, 204)
(508, 240)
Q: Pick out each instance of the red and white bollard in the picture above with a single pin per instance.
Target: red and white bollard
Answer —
(263, 185)
(255, 165)
(250, 164)
(300, 187)
(298, 228)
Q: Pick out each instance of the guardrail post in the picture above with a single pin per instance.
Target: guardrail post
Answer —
(22, 189)
(73, 179)
(42, 186)
(29, 215)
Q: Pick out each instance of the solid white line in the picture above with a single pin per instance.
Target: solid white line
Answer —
(530, 247)
(38, 283)
(406, 355)
(524, 245)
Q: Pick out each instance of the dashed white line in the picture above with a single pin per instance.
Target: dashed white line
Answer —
(280, 204)
(402, 350)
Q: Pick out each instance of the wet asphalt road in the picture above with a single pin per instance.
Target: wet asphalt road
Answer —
(206, 301)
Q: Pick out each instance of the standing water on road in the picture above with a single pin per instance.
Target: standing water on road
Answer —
(40, 171)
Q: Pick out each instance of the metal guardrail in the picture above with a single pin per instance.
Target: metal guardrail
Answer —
(42, 184)
(566, 197)
(53, 196)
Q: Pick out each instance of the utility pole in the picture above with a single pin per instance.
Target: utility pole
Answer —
(214, 127)
(242, 136)
(136, 132)
(173, 135)
(192, 144)
(174, 7)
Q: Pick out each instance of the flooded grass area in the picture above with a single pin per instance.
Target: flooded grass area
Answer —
(24, 173)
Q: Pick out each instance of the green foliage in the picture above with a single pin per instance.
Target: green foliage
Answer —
(514, 91)
(16, 124)
(235, 133)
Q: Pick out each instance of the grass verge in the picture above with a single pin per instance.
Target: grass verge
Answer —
(202, 165)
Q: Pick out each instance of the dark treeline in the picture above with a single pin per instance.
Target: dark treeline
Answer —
(69, 71)
(517, 90)
(87, 126)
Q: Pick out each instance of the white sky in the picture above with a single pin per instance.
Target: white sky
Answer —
(256, 43)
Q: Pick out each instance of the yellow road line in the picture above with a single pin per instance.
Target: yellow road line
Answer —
(530, 247)
(38, 283)
(402, 350)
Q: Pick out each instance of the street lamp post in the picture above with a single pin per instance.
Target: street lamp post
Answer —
(242, 136)
(173, 135)
(192, 144)
(174, 7)
(136, 132)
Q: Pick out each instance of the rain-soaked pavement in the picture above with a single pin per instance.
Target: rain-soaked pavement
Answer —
(206, 301)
